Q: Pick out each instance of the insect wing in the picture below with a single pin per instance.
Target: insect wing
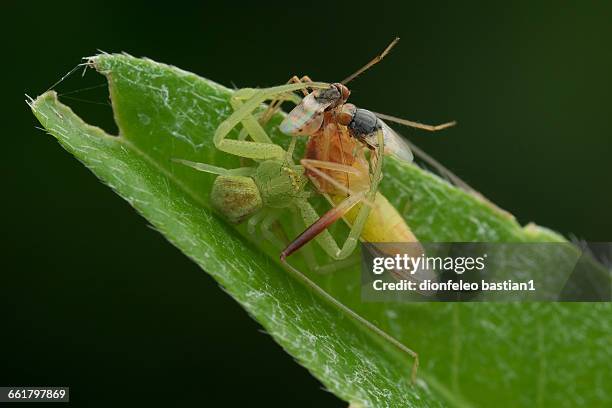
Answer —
(395, 145)
(306, 118)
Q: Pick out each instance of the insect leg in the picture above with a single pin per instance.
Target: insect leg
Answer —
(329, 245)
(315, 165)
(321, 225)
(409, 123)
(317, 229)
(276, 103)
(364, 211)
(208, 168)
(336, 265)
(337, 212)
(329, 165)
(376, 161)
(325, 241)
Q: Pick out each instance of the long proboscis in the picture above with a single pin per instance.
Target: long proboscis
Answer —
(327, 219)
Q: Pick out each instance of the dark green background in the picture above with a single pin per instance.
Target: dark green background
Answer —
(94, 299)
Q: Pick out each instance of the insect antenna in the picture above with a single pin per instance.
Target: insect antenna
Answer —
(373, 62)
(417, 125)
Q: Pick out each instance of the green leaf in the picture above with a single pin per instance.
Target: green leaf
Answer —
(542, 354)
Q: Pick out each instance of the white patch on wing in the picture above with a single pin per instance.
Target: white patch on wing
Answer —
(306, 118)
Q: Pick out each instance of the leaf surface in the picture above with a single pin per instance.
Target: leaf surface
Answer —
(540, 354)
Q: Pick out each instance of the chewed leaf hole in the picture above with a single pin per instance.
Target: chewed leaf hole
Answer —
(87, 94)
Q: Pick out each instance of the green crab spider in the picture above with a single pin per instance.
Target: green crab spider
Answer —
(277, 182)
(244, 102)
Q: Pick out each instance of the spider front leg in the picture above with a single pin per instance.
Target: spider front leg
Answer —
(251, 126)
(276, 103)
(245, 102)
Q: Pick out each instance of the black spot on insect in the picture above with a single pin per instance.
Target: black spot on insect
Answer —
(364, 123)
